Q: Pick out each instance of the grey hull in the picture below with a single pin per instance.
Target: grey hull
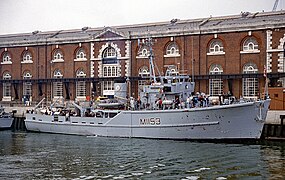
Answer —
(235, 121)
(6, 123)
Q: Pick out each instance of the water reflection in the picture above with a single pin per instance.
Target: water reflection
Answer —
(51, 156)
(274, 155)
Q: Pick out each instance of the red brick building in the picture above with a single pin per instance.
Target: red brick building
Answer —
(223, 54)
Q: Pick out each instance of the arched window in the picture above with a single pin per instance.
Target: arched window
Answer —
(250, 85)
(143, 52)
(57, 86)
(250, 44)
(110, 68)
(171, 71)
(7, 87)
(216, 46)
(58, 55)
(216, 85)
(80, 54)
(6, 58)
(80, 85)
(27, 57)
(57, 74)
(172, 49)
(27, 86)
(109, 52)
(143, 72)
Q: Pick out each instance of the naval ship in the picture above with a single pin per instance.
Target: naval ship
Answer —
(164, 111)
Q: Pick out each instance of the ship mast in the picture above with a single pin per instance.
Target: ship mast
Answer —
(148, 43)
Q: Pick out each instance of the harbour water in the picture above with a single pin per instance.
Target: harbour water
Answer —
(26, 155)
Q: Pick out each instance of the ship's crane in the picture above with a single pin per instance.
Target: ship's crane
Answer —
(275, 5)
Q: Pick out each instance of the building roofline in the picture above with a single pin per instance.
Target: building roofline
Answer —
(245, 21)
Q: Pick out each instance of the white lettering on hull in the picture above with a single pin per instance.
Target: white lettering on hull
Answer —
(150, 121)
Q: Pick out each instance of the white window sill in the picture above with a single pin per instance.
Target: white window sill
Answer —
(216, 53)
(250, 52)
(142, 57)
(26, 62)
(7, 98)
(6, 62)
(80, 59)
(57, 60)
(171, 55)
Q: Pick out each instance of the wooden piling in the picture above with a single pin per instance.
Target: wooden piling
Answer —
(274, 131)
(19, 124)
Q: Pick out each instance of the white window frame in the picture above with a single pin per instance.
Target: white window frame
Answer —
(216, 48)
(250, 87)
(80, 55)
(250, 45)
(171, 71)
(110, 70)
(27, 86)
(143, 72)
(80, 86)
(57, 86)
(109, 52)
(172, 50)
(6, 58)
(58, 56)
(143, 52)
(216, 86)
(7, 94)
(27, 58)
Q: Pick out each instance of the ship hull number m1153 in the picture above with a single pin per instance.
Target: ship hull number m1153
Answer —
(149, 121)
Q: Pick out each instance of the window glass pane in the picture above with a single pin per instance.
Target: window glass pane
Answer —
(250, 44)
(216, 85)
(80, 85)
(250, 85)
(7, 86)
(216, 46)
(172, 49)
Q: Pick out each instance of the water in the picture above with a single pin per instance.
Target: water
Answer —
(52, 156)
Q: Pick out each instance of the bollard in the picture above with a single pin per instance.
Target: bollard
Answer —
(282, 117)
